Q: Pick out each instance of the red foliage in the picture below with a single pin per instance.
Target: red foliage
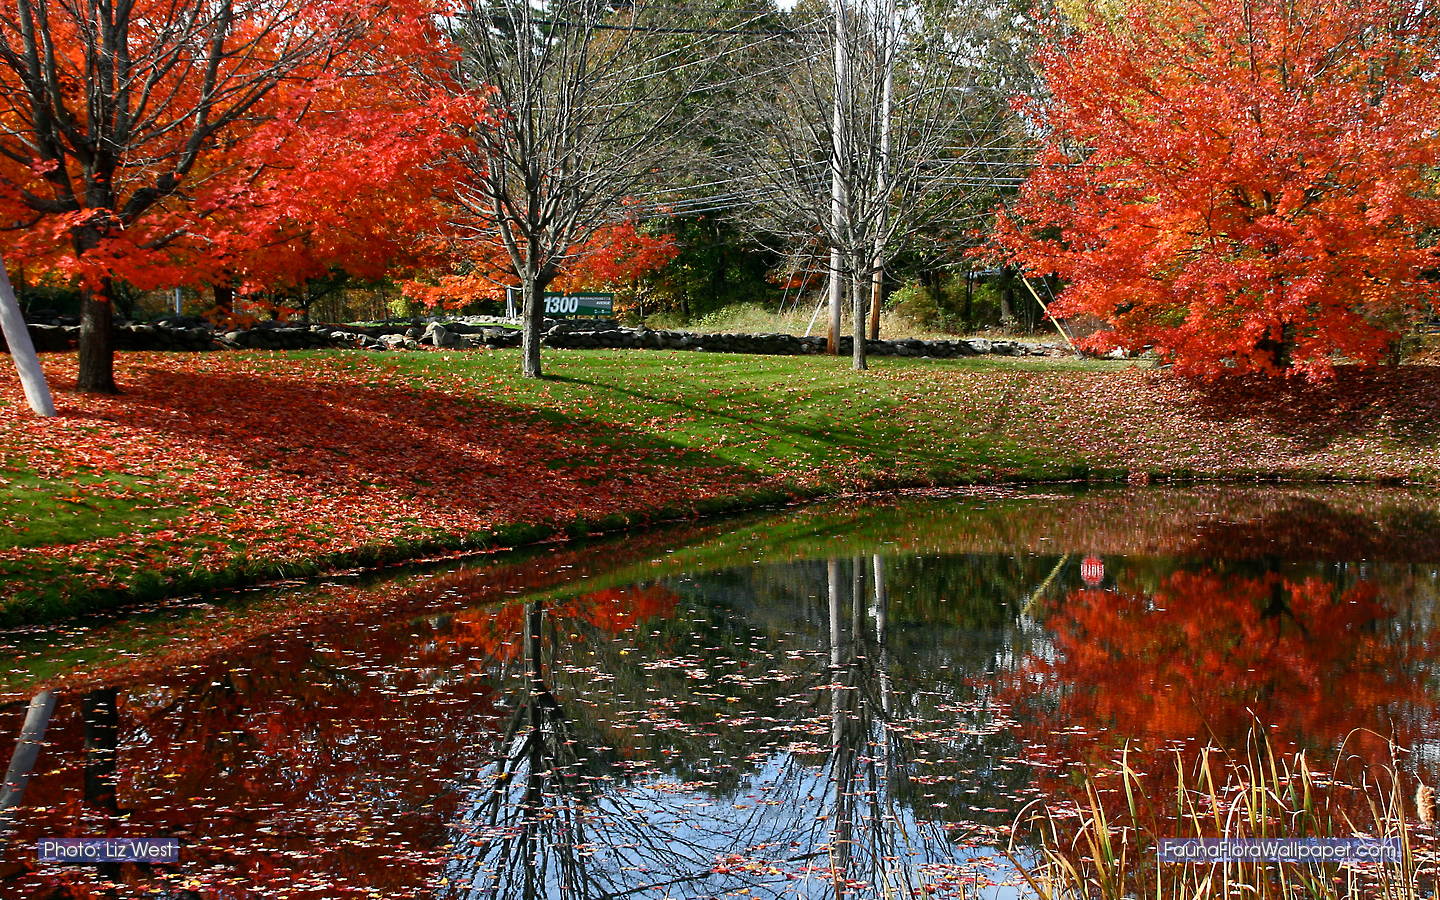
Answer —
(616, 256)
(496, 632)
(1205, 655)
(612, 257)
(1240, 183)
(330, 166)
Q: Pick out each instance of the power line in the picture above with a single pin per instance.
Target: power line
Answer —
(654, 29)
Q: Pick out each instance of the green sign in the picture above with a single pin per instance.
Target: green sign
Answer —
(579, 304)
(561, 305)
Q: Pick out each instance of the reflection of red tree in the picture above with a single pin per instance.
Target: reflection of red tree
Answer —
(1210, 653)
(274, 765)
(1211, 659)
(497, 632)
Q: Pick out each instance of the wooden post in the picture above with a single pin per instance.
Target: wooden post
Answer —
(877, 294)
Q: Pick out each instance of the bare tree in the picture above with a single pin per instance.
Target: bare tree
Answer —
(110, 105)
(882, 134)
(589, 108)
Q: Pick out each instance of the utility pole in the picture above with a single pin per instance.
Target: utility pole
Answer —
(887, 92)
(838, 198)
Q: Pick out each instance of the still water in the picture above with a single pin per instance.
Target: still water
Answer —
(845, 700)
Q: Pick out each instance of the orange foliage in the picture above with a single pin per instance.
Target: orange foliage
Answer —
(1208, 654)
(497, 632)
(615, 256)
(612, 257)
(332, 165)
(1242, 184)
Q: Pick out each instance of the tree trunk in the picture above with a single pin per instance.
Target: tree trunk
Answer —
(837, 300)
(97, 321)
(859, 303)
(930, 278)
(877, 297)
(22, 349)
(27, 750)
(534, 664)
(1279, 350)
(101, 712)
(224, 302)
(532, 316)
(97, 343)
(1007, 298)
(967, 314)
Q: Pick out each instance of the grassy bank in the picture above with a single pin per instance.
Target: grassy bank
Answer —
(212, 469)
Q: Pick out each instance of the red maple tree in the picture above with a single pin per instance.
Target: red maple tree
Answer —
(1241, 184)
(354, 187)
(166, 142)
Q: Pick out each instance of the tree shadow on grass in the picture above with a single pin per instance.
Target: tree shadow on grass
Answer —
(334, 440)
(805, 439)
(1401, 403)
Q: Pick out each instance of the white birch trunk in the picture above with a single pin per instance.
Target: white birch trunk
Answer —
(22, 349)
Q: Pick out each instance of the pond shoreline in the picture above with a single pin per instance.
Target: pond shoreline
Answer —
(1207, 520)
(243, 469)
(721, 690)
(375, 560)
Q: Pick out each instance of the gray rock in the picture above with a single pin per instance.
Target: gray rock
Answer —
(51, 338)
(436, 335)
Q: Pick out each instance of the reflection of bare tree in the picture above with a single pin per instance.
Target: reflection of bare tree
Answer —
(538, 828)
(526, 830)
(872, 840)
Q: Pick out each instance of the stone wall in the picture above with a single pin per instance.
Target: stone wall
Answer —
(481, 333)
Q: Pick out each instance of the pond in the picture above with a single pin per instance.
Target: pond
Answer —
(854, 699)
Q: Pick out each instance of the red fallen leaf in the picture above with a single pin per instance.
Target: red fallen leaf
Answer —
(268, 459)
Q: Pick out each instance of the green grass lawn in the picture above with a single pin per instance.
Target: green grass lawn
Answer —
(41, 512)
(774, 414)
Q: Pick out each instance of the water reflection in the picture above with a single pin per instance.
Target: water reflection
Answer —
(525, 827)
(1199, 654)
(795, 707)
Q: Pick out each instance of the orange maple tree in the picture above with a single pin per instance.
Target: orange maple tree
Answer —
(611, 257)
(178, 141)
(1242, 184)
(354, 188)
